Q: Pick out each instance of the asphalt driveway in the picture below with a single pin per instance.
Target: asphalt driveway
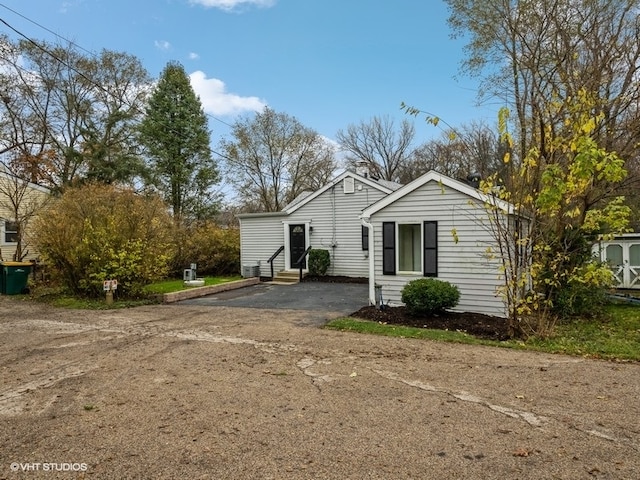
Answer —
(324, 300)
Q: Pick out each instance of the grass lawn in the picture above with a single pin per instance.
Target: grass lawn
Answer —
(175, 285)
(616, 337)
(59, 298)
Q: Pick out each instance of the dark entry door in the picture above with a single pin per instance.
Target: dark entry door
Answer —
(297, 245)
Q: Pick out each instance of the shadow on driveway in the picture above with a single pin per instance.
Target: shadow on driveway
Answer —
(336, 298)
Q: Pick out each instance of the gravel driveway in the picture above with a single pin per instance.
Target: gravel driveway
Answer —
(217, 392)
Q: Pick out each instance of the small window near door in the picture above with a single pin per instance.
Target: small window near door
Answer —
(10, 232)
(365, 238)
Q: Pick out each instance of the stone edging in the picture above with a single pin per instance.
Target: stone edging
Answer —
(195, 292)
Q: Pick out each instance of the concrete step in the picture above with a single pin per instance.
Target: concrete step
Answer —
(287, 277)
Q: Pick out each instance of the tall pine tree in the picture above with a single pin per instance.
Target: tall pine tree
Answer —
(175, 134)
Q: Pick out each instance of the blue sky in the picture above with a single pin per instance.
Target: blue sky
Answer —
(329, 63)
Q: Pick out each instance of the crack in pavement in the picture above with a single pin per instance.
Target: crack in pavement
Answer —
(201, 336)
(11, 399)
(528, 417)
(305, 365)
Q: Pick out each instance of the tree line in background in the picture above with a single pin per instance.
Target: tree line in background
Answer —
(70, 118)
(564, 152)
(93, 127)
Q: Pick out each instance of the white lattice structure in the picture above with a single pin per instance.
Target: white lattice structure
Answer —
(623, 255)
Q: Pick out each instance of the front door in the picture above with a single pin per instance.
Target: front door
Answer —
(297, 245)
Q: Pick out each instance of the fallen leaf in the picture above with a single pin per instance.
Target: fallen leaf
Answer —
(521, 452)
(353, 374)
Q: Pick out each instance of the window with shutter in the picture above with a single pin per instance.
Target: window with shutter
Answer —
(430, 249)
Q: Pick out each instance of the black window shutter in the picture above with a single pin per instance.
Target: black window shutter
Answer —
(430, 249)
(388, 248)
(365, 238)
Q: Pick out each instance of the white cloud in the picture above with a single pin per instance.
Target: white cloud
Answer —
(66, 5)
(217, 101)
(162, 45)
(229, 5)
(194, 56)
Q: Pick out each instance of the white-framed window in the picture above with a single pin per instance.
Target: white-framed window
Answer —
(410, 248)
(10, 232)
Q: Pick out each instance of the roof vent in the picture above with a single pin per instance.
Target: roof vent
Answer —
(349, 185)
(473, 179)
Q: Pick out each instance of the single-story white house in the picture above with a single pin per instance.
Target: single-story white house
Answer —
(436, 227)
(622, 253)
(328, 218)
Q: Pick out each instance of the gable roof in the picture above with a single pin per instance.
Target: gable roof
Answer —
(13, 178)
(307, 196)
(304, 194)
(433, 176)
(385, 188)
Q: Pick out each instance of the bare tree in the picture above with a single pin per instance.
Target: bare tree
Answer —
(472, 150)
(379, 144)
(272, 158)
(538, 55)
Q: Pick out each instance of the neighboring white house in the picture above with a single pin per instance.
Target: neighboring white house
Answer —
(19, 202)
(328, 218)
(622, 253)
(436, 227)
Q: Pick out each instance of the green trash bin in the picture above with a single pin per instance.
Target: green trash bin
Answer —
(14, 277)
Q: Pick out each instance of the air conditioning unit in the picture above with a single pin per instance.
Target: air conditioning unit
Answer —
(249, 271)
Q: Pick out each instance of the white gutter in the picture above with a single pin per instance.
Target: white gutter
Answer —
(372, 264)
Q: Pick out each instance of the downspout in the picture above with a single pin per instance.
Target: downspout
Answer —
(372, 264)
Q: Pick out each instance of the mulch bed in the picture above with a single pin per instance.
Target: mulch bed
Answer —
(476, 324)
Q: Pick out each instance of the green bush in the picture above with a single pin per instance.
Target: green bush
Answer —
(429, 295)
(579, 300)
(214, 249)
(319, 261)
(99, 232)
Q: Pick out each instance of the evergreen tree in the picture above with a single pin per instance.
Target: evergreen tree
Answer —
(179, 161)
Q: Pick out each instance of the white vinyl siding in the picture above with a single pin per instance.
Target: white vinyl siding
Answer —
(332, 220)
(464, 263)
(335, 218)
(261, 237)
